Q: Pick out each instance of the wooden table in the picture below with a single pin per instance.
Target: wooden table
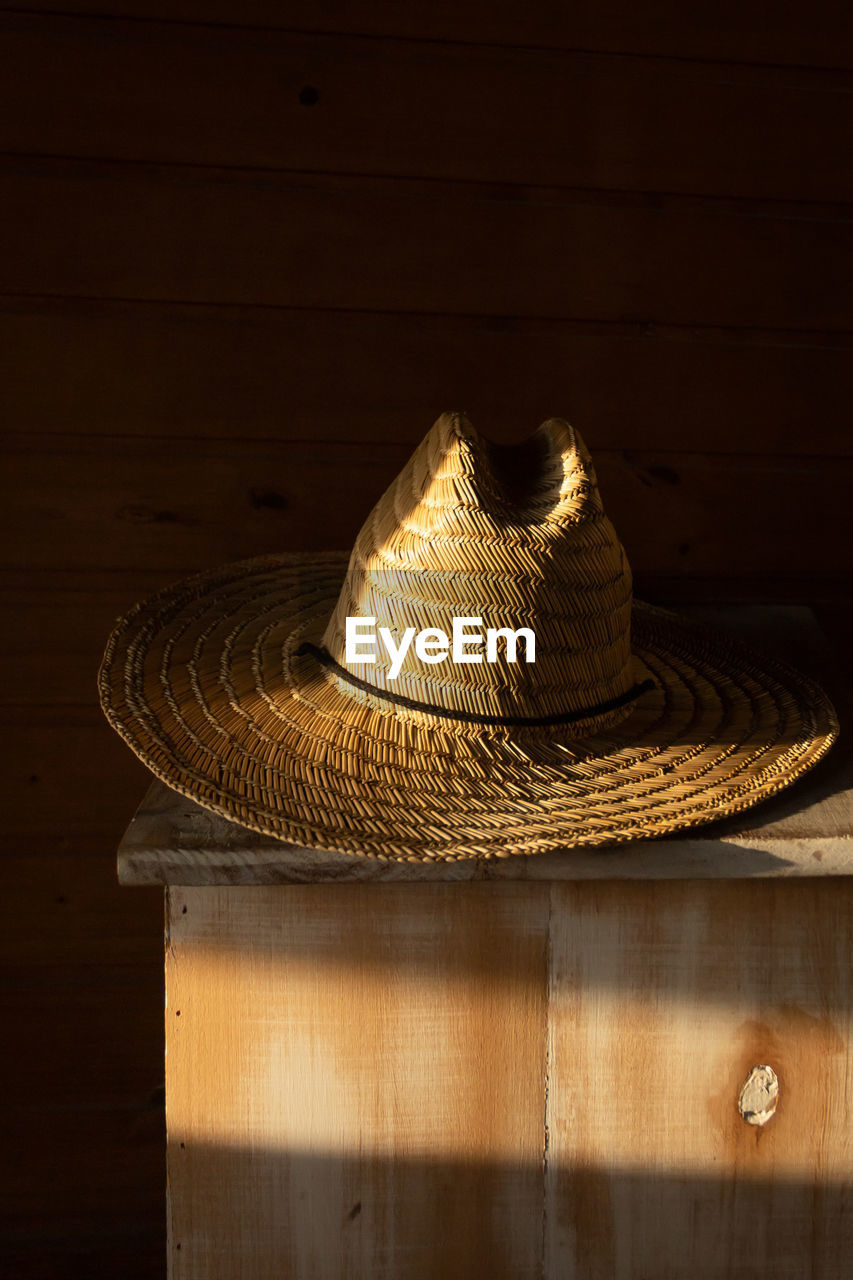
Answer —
(537, 1067)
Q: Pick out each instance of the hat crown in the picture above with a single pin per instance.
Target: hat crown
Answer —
(516, 536)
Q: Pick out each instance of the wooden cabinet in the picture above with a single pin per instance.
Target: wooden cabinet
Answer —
(532, 1068)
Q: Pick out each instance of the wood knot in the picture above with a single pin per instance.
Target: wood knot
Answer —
(759, 1095)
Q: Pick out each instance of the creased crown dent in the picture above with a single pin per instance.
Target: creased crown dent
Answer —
(461, 533)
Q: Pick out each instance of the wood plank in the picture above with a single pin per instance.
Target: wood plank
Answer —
(158, 370)
(67, 1210)
(57, 642)
(663, 997)
(62, 622)
(69, 787)
(154, 92)
(81, 1012)
(61, 1010)
(380, 1073)
(340, 1127)
(132, 1248)
(805, 832)
(177, 234)
(172, 841)
(72, 935)
(754, 32)
(72, 785)
(184, 505)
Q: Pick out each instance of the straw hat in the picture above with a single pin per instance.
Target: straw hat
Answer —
(234, 686)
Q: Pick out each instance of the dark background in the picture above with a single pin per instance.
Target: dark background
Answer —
(249, 253)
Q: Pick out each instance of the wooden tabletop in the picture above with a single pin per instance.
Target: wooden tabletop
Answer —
(805, 831)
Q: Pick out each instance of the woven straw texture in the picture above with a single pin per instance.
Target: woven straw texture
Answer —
(210, 684)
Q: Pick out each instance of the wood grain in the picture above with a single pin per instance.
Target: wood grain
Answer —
(345, 1038)
(757, 32)
(380, 1089)
(662, 999)
(48, 1233)
(56, 668)
(238, 304)
(159, 370)
(166, 233)
(73, 908)
(181, 505)
(203, 95)
(81, 1037)
(69, 788)
(173, 841)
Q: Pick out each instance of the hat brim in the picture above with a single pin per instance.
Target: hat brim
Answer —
(203, 684)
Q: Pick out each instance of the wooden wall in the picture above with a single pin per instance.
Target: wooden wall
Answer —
(249, 252)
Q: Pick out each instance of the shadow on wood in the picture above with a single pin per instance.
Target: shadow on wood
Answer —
(261, 1213)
